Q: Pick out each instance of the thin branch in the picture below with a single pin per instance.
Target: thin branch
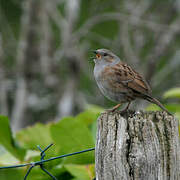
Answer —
(3, 87)
(132, 57)
(20, 101)
(69, 50)
(161, 46)
(20, 104)
(120, 17)
(100, 39)
(45, 41)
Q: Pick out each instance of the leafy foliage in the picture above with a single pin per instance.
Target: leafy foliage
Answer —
(39, 134)
(70, 134)
(81, 172)
(78, 139)
(7, 140)
(172, 93)
(11, 174)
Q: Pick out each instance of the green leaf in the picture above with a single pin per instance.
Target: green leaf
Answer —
(39, 134)
(7, 174)
(6, 158)
(35, 135)
(94, 130)
(81, 172)
(7, 140)
(72, 135)
(173, 107)
(153, 107)
(90, 115)
(172, 93)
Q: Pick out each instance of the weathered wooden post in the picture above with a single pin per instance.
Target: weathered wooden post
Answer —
(137, 146)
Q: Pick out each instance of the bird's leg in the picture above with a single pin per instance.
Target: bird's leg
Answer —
(114, 108)
(127, 107)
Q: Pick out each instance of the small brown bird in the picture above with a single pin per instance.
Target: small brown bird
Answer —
(119, 82)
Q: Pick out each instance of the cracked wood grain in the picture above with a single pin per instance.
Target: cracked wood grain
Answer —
(137, 146)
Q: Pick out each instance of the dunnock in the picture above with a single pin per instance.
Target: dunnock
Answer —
(119, 82)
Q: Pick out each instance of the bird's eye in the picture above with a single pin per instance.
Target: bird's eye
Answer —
(98, 56)
(105, 54)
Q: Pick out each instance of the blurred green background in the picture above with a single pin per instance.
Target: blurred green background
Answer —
(46, 73)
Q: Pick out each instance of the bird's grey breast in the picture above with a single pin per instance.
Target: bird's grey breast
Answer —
(105, 85)
(101, 81)
(97, 72)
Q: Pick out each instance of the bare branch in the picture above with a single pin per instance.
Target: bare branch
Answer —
(137, 11)
(66, 102)
(161, 46)
(26, 52)
(100, 39)
(120, 17)
(3, 87)
(45, 43)
(132, 57)
(20, 104)
(69, 49)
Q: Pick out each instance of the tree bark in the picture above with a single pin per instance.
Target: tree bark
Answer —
(138, 146)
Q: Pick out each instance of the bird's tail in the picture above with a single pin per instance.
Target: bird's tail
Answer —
(155, 101)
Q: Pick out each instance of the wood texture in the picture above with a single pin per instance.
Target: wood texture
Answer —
(137, 146)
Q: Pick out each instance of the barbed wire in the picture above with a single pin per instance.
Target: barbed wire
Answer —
(42, 161)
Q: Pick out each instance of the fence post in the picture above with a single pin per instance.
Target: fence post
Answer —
(138, 146)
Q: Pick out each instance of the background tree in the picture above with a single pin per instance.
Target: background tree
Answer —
(45, 47)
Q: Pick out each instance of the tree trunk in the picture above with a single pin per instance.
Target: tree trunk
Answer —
(138, 146)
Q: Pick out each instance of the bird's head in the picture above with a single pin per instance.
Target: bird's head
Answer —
(105, 56)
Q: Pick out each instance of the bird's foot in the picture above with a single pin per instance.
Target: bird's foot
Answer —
(114, 109)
